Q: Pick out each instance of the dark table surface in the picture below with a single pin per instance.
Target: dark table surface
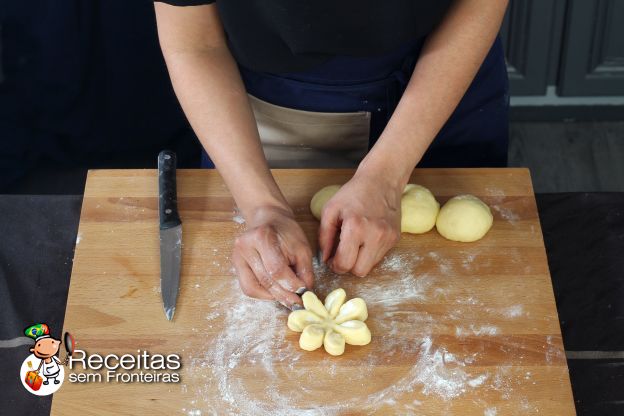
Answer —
(583, 233)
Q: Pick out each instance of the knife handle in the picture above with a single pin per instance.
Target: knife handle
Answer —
(167, 195)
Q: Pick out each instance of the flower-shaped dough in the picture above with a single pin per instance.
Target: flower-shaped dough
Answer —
(332, 324)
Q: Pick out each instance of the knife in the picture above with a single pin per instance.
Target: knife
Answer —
(170, 232)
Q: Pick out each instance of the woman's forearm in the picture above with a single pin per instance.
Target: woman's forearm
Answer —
(216, 104)
(447, 65)
(207, 83)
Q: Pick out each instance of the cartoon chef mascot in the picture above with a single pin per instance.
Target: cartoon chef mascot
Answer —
(46, 349)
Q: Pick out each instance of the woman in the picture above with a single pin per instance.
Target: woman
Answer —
(362, 83)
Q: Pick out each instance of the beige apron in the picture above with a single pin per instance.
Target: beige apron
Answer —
(307, 139)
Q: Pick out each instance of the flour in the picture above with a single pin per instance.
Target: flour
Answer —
(408, 287)
(468, 301)
(78, 238)
(398, 262)
(495, 192)
(506, 213)
(478, 380)
(490, 412)
(468, 261)
(496, 197)
(481, 330)
(513, 311)
(447, 380)
(444, 264)
(502, 382)
(255, 344)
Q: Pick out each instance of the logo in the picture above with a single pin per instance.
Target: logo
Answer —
(42, 373)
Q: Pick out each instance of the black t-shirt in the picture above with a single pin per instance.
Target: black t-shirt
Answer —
(287, 36)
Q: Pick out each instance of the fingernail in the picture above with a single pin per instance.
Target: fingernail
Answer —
(296, 307)
(301, 291)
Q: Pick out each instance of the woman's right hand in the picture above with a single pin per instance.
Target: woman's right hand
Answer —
(273, 258)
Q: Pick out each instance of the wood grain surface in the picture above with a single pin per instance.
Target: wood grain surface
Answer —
(458, 328)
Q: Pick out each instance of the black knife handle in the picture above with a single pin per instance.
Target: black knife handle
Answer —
(167, 195)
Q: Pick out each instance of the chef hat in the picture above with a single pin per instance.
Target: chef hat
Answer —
(37, 332)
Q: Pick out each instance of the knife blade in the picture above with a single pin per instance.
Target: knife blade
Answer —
(170, 232)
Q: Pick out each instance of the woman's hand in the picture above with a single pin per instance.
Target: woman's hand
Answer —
(273, 258)
(363, 222)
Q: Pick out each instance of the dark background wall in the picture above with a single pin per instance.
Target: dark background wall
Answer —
(577, 46)
(84, 85)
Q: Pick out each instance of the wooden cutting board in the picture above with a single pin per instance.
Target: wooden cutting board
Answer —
(458, 328)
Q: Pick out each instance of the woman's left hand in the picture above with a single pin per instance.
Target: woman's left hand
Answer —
(362, 220)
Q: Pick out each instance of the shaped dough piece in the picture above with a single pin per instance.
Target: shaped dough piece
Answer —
(464, 218)
(334, 301)
(320, 199)
(354, 332)
(313, 304)
(334, 343)
(312, 337)
(419, 209)
(332, 324)
(298, 320)
(354, 309)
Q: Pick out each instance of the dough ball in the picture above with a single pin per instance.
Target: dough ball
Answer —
(320, 199)
(464, 218)
(419, 209)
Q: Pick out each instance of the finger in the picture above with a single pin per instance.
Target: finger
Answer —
(328, 232)
(369, 255)
(277, 264)
(348, 247)
(376, 242)
(303, 266)
(280, 294)
(247, 279)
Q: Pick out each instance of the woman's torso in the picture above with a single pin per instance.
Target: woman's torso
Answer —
(284, 36)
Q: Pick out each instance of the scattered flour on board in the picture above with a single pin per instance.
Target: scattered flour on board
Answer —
(444, 264)
(481, 330)
(506, 213)
(255, 344)
(468, 260)
(477, 381)
(78, 238)
(490, 411)
(495, 192)
(513, 311)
